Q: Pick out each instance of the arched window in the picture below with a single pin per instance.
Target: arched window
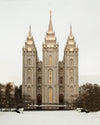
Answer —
(39, 87)
(50, 95)
(50, 76)
(29, 61)
(50, 60)
(71, 79)
(61, 87)
(28, 89)
(71, 62)
(71, 89)
(29, 80)
(39, 79)
(39, 70)
(61, 69)
(28, 71)
(61, 79)
(71, 71)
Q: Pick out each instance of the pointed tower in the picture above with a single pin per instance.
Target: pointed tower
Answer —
(50, 39)
(50, 88)
(71, 69)
(29, 68)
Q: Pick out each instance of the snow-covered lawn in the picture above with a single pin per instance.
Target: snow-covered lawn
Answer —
(49, 118)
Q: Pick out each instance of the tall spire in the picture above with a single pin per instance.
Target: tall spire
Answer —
(29, 37)
(70, 30)
(71, 35)
(71, 41)
(30, 31)
(50, 35)
(30, 34)
(50, 29)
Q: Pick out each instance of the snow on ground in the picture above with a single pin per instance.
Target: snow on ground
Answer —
(49, 118)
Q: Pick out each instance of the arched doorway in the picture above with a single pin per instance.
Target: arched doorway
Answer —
(61, 99)
(39, 99)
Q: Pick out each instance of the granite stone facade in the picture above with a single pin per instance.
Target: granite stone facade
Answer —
(50, 81)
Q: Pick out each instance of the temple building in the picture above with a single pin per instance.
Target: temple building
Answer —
(50, 81)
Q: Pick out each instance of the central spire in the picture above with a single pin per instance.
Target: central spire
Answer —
(50, 28)
(50, 35)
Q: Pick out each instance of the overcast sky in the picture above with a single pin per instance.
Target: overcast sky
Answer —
(17, 15)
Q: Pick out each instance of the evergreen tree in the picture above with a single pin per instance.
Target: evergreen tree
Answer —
(1, 96)
(89, 97)
(9, 95)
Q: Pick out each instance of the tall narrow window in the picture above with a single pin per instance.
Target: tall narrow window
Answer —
(71, 71)
(71, 80)
(50, 60)
(61, 69)
(28, 89)
(71, 89)
(50, 76)
(39, 79)
(50, 95)
(29, 61)
(61, 79)
(39, 70)
(29, 80)
(71, 62)
(29, 72)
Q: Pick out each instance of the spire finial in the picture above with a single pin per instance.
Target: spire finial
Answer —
(30, 30)
(50, 12)
(50, 29)
(70, 29)
(29, 34)
(70, 34)
(50, 35)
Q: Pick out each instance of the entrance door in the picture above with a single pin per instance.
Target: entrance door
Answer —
(39, 99)
(61, 99)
